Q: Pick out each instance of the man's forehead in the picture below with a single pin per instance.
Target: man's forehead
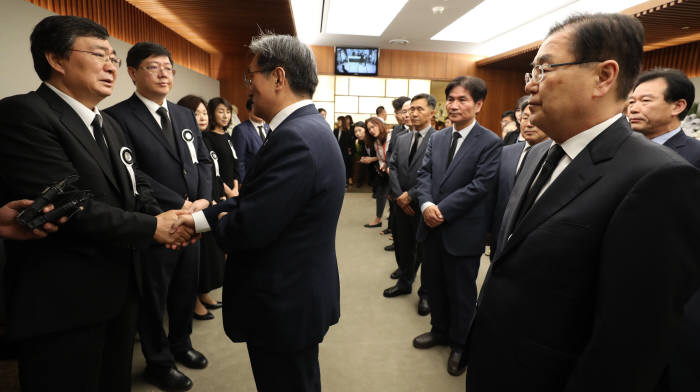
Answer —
(554, 47)
(94, 43)
(159, 58)
(420, 102)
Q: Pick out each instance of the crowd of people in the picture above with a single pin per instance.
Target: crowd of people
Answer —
(591, 224)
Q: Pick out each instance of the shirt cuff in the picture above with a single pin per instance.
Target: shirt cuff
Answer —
(200, 222)
(422, 207)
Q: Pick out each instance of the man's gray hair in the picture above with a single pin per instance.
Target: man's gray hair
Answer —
(292, 55)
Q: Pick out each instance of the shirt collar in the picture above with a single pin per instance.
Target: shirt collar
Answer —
(86, 114)
(424, 131)
(465, 131)
(575, 144)
(284, 113)
(152, 106)
(661, 139)
(256, 125)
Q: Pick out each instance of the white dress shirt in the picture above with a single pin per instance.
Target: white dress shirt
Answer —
(200, 221)
(574, 145)
(153, 107)
(86, 114)
(661, 139)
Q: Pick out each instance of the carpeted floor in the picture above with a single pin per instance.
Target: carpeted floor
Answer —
(368, 350)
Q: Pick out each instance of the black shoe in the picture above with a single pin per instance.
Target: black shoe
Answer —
(423, 306)
(428, 340)
(168, 380)
(206, 316)
(396, 274)
(192, 358)
(453, 364)
(215, 306)
(395, 291)
(370, 226)
(385, 231)
(389, 248)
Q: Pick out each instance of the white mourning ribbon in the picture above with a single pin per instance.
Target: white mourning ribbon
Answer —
(215, 159)
(127, 158)
(233, 151)
(188, 137)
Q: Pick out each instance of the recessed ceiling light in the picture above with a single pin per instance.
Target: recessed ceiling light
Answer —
(398, 41)
(685, 27)
(438, 10)
(352, 17)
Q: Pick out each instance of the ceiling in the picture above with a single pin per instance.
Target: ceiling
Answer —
(220, 26)
(226, 26)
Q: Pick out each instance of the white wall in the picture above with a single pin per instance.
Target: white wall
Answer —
(17, 76)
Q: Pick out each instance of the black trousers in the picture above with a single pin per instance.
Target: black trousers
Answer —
(451, 282)
(170, 281)
(409, 252)
(90, 358)
(282, 371)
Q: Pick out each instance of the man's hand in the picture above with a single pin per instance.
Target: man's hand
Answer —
(199, 205)
(408, 210)
(167, 231)
(433, 217)
(403, 200)
(231, 192)
(11, 229)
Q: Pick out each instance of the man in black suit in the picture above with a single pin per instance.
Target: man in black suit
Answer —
(406, 159)
(248, 137)
(599, 247)
(512, 159)
(169, 150)
(456, 186)
(281, 290)
(72, 298)
(659, 102)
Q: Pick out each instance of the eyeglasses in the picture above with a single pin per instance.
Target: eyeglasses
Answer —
(538, 71)
(155, 68)
(248, 76)
(106, 58)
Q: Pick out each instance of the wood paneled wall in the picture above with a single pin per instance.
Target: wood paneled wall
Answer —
(504, 86)
(684, 57)
(127, 23)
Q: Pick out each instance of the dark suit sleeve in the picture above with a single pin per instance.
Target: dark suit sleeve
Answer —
(424, 179)
(32, 156)
(394, 173)
(240, 145)
(648, 268)
(464, 199)
(279, 190)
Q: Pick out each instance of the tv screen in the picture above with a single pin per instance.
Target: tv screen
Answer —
(356, 61)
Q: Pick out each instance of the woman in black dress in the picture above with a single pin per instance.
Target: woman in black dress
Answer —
(212, 258)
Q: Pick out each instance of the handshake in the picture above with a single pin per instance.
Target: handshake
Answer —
(175, 228)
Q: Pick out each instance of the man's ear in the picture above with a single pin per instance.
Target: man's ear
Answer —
(132, 73)
(56, 62)
(280, 76)
(679, 106)
(606, 76)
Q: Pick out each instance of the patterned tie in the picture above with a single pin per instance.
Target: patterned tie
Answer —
(166, 126)
(453, 147)
(262, 133)
(554, 155)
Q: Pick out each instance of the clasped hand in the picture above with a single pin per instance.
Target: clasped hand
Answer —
(433, 217)
(170, 229)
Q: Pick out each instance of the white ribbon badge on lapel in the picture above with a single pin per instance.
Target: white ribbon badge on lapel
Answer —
(127, 158)
(233, 151)
(215, 159)
(188, 137)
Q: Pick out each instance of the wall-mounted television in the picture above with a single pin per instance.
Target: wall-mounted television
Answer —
(356, 61)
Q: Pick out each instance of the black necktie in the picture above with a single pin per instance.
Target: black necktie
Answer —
(522, 162)
(262, 134)
(453, 147)
(166, 126)
(414, 147)
(99, 134)
(554, 155)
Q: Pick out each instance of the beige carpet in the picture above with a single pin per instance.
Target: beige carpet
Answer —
(368, 350)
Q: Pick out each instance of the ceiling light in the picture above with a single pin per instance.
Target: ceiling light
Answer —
(438, 10)
(307, 19)
(353, 18)
(399, 41)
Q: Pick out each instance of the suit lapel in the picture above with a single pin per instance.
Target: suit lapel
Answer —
(464, 149)
(678, 141)
(141, 112)
(180, 144)
(114, 151)
(420, 151)
(586, 169)
(71, 120)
